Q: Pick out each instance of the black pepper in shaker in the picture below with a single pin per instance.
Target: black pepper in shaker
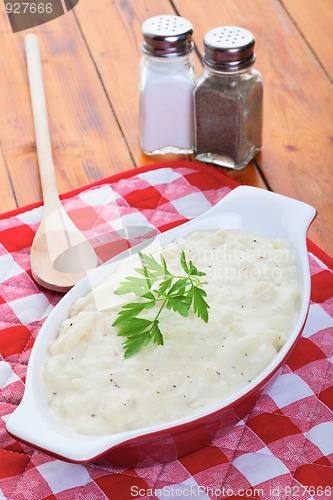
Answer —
(228, 99)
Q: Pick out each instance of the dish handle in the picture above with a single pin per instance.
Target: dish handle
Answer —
(255, 208)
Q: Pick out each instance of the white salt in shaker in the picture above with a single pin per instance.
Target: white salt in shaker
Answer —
(166, 86)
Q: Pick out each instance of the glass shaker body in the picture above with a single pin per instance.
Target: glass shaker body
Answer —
(167, 79)
(166, 104)
(228, 104)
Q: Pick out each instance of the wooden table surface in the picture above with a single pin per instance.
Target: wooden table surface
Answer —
(90, 60)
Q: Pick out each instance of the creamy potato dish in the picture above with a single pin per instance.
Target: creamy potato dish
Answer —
(253, 295)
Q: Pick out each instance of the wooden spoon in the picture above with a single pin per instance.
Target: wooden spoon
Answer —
(60, 254)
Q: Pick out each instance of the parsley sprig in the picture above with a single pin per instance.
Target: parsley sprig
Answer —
(159, 288)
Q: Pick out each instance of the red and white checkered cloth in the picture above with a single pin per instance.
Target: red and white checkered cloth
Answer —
(282, 450)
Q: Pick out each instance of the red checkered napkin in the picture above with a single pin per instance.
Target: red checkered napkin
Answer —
(282, 450)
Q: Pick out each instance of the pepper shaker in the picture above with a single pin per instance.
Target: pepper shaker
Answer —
(166, 86)
(228, 99)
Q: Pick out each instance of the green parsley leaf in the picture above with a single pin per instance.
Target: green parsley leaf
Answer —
(177, 293)
(199, 304)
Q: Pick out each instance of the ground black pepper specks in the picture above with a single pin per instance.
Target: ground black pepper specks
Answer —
(228, 113)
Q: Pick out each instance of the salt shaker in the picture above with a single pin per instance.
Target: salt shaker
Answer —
(166, 86)
(228, 99)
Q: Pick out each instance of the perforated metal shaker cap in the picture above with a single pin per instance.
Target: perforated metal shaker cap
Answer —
(167, 36)
(229, 48)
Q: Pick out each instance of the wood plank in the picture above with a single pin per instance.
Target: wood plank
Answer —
(315, 21)
(297, 142)
(87, 142)
(6, 192)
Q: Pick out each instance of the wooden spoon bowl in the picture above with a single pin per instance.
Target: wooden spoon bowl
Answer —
(60, 254)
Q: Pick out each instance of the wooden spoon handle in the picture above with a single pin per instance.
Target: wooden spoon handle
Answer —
(39, 111)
